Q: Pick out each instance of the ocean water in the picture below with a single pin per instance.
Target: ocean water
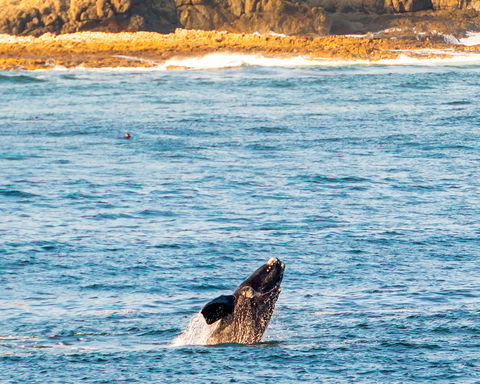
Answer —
(364, 180)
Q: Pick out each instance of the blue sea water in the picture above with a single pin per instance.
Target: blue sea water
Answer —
(364, 180)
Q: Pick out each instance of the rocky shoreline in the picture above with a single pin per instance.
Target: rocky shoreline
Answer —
(138, 33)
(151, 49)
(290, 17)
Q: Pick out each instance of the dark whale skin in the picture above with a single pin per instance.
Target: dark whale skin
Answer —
(244, 316)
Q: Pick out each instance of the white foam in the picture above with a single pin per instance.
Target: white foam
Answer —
(233, 60)
(473, 38)
(356, 36)
(14, 39)
(225, 60)
(196, 333)
(447, 39)
(271, 33)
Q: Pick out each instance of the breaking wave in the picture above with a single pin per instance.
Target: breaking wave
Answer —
(20, 79)
(235, 60)
(216, 61)
(232, 60)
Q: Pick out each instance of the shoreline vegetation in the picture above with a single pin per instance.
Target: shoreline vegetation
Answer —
(151, 49)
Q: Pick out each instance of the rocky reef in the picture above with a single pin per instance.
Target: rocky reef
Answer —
(290, 17)
(156, 50)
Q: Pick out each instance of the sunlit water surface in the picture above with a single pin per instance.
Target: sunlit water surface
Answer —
(364, 180)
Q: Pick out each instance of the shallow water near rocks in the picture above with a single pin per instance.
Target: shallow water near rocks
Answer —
(363, 180)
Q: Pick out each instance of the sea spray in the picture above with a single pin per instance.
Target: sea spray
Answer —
(235, 60)
(196, 333)
(418, 57)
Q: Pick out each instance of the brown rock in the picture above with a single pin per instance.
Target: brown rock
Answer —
(158, 15)
(281, 16)
(408, 25)
(121, 6)
(372, 6)
(407, 5)
(455, 4)
(393, 6)
(36, 17)
(290, 17)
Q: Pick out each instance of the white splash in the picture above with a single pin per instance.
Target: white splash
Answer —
(473, 38)
(271, 33)
(233, 60)
(196, 333)
(418, 57)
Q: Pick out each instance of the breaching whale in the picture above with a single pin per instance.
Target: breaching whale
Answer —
(244, 316)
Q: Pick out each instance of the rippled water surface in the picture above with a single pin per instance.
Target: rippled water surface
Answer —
(364, 180)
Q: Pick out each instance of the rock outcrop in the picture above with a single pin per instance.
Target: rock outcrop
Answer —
(455, 4)
(371, 6)
(392, 6)
(279, 16)
(35, 17)
(414, 25)
(290, 17)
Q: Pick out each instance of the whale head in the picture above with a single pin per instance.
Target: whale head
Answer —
(243, 316)
(267, 277)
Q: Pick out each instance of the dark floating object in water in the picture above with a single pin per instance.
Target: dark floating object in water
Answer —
(127, 136)
(244, 316)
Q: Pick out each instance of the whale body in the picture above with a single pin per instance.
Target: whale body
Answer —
(243, 316)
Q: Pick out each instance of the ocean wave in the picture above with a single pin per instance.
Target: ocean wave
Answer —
(16, 193)
(225, 60)
(218, 61)
(20, 79)
(234, 60)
